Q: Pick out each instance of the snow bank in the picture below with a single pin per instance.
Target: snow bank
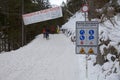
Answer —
(71, 24)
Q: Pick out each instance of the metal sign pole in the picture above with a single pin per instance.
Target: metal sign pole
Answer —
(22, 23)
(85, 16)
(86, 37)
(87, 40)
(85, 10)
(86, 67)
(86, 55)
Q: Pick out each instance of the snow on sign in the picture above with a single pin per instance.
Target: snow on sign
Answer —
(42, 15)
(86, 37)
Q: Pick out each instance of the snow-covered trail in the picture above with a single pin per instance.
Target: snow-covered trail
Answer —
(42, 59)
(53, 59)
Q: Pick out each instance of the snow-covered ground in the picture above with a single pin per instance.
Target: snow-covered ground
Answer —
(42, 59)
(53, 59)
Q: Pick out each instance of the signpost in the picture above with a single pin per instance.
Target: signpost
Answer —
(85, 8)
(86, 39)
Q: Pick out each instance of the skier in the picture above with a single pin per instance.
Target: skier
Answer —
(47, 33)
(44, 33)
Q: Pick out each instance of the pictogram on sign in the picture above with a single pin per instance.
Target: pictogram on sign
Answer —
(91, 42)
(90, 51)
(91, 37)
(91, 32)
(81, 42)
(82, 37)
(85, 8)
(82, 32)
(82, 51)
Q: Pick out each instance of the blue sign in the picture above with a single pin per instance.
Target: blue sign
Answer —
(82, 32)
(91, 32)
(87, 37)
(82, 37)
(91, 37)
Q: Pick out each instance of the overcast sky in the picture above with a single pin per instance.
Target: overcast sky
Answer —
(57, 2)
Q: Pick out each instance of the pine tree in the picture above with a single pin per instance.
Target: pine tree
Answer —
(11, 21)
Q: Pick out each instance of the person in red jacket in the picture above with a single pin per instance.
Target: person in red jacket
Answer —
(47, 31)
(52, 29)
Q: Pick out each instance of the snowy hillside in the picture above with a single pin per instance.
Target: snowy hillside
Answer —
(107, 32)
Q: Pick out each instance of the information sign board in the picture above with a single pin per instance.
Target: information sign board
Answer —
(43, 15)
(87, 37)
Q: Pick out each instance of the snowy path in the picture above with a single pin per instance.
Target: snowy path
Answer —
(53, 59)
